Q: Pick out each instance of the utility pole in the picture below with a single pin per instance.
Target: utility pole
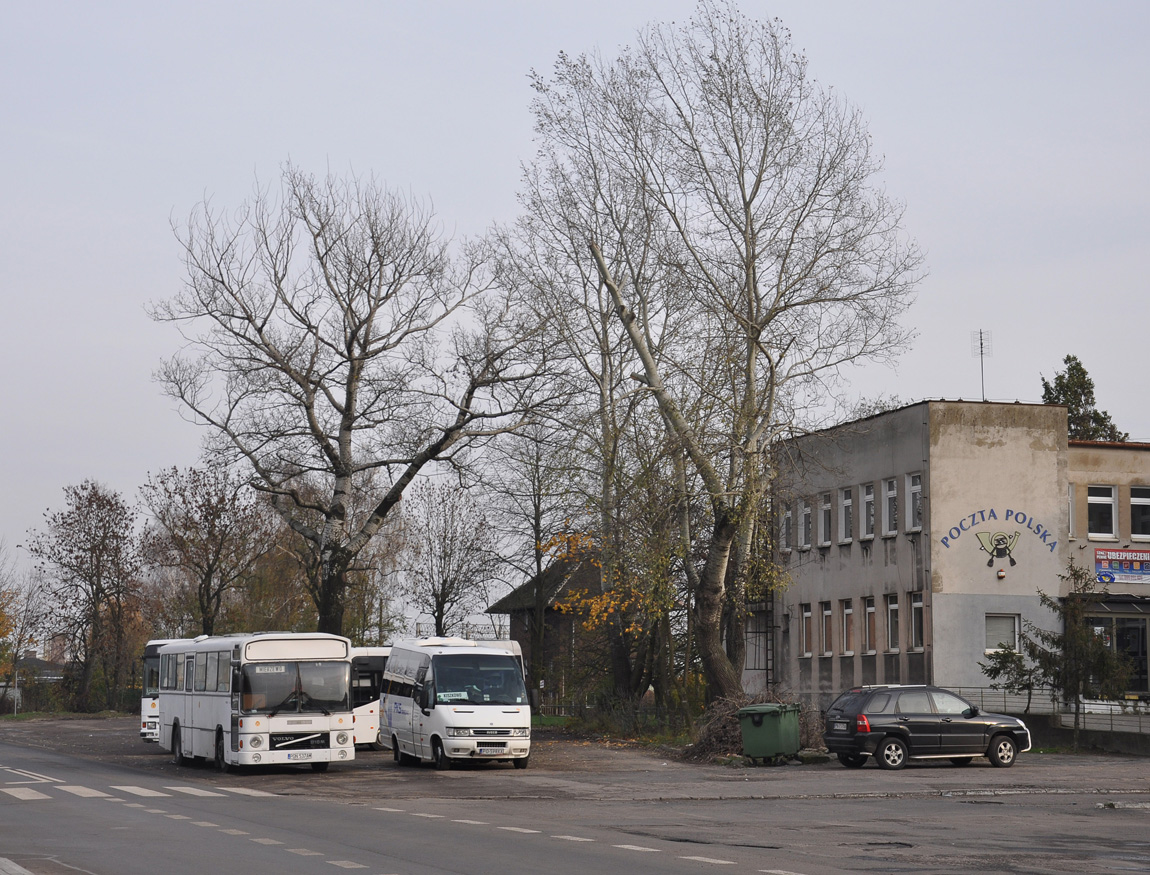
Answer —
(982, 346)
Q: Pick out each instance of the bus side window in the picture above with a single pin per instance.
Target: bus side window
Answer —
(223, 672)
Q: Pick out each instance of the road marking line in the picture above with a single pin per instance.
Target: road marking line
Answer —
(395, 810)
(636, 848)
(473, 822)
(244, 791)
(303, 852)
(421, 814)
(134, 805)
(178, 816)
(86, 792)
(710, 860)
(573, 838)
(235, 832)
(267, 841)
(203, 823)
(140, 791)
(517, 829)
(347, 864)
(155, 811)
(24, 793)
(195, 791)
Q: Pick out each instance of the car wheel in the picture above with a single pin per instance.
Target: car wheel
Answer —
(521, 763)
(962, 761)
(891, 753)
(319, 767)
(1002, 751)
(442, 760)
(178, 757)
(852, 760)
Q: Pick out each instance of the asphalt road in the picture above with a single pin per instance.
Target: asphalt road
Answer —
(80, 798)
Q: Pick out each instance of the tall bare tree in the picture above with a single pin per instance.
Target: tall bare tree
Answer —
(208, 524)
(341, 346)
(90, 557)
(754, 195)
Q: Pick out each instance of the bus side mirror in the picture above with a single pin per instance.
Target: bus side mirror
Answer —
(421, 699)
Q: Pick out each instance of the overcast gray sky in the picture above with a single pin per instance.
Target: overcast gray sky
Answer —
(1016, 134)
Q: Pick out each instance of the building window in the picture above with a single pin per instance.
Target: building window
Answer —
(1001, 632)
(892, 638)
(890, 508)
(1073, 528)
(848, 613)
(1140, 513)
(917, 621)
(846, 516)
(827, 628)
(1100, 512)
(805, 630)
(756, 641)
(868, 512)
(805, 527)
(785, 533)
(870, 626)
(914, 503)
(825, 519)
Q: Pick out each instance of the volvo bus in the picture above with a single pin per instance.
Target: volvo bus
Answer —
(367, 665)
(150, 695)
(450, 699)
(262, 699)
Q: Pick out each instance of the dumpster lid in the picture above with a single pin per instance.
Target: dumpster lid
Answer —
(764, 708)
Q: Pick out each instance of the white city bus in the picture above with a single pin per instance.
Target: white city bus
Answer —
(150, 692)
(449, 699)
(262, 699)
(367, 665)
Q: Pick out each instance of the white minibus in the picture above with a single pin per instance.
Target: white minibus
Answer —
(450, 699)
(367, 665)
(261, 699)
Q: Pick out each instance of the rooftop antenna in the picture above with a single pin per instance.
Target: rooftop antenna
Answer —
(982, 345)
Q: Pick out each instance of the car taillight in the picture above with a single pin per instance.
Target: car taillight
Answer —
(862, 724)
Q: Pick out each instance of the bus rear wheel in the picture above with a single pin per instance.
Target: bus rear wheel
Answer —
(178, 757)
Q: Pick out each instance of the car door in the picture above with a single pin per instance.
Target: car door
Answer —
(915, 714)
(960, 732)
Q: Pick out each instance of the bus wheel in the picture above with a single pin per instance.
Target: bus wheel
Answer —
(319, 767)
(178, 757)
(442, 760)
(378, 744)
(395, 751)
(222, 765)
(521, 763)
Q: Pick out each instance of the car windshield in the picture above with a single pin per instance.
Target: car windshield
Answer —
(275, 687)
(478, 680)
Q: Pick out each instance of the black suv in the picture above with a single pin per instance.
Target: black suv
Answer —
(895, 723)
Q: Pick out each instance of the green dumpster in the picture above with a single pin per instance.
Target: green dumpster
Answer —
(769, 730)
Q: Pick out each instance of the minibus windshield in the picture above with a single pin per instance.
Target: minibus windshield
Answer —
(472, 679)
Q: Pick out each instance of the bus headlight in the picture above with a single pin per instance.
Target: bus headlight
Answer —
(458, 732)
(521, 732)
(256, 741)
(341, 739)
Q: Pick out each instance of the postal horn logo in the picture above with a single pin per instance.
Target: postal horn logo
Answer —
(999, 545)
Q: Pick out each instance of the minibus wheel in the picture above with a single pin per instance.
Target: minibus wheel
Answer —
(442, 760)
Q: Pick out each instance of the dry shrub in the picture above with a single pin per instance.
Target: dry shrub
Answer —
(720, 734)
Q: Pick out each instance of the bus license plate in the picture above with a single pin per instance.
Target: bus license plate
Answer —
(839, 727)
(300, 755)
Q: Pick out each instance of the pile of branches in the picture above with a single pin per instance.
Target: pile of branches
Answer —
(721, 735)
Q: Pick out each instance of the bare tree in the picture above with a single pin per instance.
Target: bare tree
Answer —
(449, 558)
(89, 555)
(341, 346)
(211, 527)
(770, 241)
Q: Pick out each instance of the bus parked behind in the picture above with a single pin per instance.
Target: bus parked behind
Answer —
(367, 665)
(150, 686)
(261, 699)
(450, 699)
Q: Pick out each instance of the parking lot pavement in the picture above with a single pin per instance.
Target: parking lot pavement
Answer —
(570, 768)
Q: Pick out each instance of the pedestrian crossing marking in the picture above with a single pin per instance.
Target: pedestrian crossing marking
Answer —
(139, 791)
(25, 793)
(195, 791)
(85, 792)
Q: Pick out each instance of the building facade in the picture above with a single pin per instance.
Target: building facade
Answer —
(917, 540)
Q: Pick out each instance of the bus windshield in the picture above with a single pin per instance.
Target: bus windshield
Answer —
(276, 687)
(478, 680)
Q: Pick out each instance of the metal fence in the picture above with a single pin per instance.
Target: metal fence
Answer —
(1099, 715)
